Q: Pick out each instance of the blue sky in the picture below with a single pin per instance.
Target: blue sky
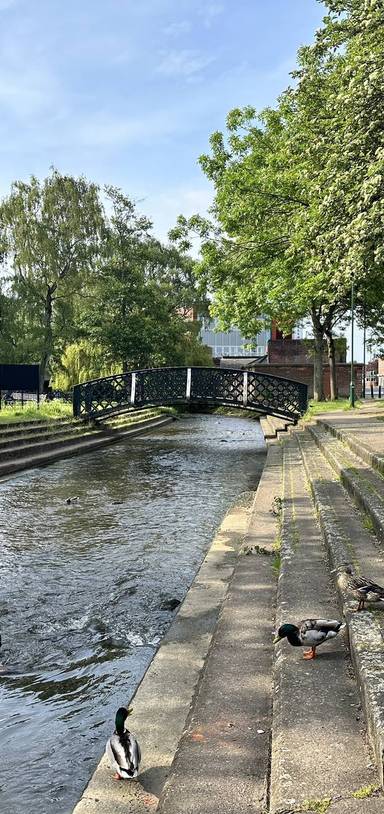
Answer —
(128, 91)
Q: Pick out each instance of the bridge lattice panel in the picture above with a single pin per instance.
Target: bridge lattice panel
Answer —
(257, 391)
(213, 384)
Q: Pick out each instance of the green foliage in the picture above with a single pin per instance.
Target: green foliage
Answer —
(299, 191)
(80, 362)
(50, 235)
(365, 791)
(47, 410)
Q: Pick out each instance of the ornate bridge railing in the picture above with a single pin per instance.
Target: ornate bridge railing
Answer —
(196, 385)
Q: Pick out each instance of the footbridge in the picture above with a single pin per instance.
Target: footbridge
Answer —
(202, 386)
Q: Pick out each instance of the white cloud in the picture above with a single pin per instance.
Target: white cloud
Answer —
(185, 63)
(209, 12)
(177, 29)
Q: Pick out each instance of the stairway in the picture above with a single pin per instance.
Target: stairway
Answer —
(266, 731)
(35, 443)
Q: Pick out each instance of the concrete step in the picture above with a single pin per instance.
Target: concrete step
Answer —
(348, 540)
(222, 759)
(77, 446)
(20, 448)
(37, 435)
(16, 428)
(363, 484)
(318, 739)
(364, 436)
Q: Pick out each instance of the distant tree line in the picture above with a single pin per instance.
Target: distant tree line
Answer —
(86, 289)
(298, 213)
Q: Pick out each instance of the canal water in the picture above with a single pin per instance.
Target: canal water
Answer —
(86, 589)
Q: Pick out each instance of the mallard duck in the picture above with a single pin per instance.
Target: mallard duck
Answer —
(70, 500)
(122, 749)
(360, 588)
(311, 632)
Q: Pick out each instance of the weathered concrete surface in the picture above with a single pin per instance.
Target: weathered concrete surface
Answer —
(162, 701)
(77, 446)
(222, 761)
(362, 483)
(347, 540)
(318, 743)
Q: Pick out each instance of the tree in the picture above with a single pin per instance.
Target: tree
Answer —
(51, 233)
(141, 294)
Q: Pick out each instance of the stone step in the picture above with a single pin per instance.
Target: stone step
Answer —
(348, 540)
(364, 484)
(20, 448)
(222, 760)
(37, 435)
(78, 446)
(316, 713)
(16, 428)
(364, 436)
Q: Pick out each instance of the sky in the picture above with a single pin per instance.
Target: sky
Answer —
(127, 92)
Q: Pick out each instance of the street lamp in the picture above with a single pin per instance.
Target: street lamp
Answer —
(352, 382)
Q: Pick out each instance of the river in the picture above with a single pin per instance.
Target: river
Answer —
(85, 589)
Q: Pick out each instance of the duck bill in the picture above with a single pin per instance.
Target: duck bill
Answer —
(129, 711)
(277, 639)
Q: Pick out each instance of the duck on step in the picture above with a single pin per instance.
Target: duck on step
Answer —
(309, 633)
(358, 587)
(122, 749)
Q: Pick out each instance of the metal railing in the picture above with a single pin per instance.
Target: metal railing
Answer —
(196, 385)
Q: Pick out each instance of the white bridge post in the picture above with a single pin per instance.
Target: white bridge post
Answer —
(133, 388)
(245, 388)
(188, 387)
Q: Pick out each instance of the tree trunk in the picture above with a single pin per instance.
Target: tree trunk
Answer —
(332, 365)
(46, 352)
(318, 393)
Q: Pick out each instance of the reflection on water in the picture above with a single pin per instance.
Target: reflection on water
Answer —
(83, 589)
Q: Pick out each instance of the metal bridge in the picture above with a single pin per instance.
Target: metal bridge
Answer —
(203, 386)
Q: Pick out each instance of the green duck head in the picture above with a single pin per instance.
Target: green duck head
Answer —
(286, 631)
(121, 715)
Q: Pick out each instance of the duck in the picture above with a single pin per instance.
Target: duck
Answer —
(359, 587)
(311, 632)
(122, 748)
(70, 500)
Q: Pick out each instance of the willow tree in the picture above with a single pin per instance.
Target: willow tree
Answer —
(51, 232)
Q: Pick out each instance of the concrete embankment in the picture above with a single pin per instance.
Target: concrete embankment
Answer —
(227, 722)
(27, 444)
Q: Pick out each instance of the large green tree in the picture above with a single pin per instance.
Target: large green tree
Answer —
(136, 310)
(50, 234)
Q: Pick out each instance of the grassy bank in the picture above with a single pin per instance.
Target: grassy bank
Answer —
(317, 407)
(32, 412)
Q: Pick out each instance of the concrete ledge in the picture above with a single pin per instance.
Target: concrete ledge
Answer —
(222, 760)
(162, 700)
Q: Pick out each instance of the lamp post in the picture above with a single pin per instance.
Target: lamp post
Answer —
(352, 382)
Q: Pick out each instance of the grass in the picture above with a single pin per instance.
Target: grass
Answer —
(364, 792)
(31, 412)
(317, 407)
(318, 806)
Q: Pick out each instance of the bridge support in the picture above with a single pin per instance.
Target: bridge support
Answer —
(245, 388)
(133, 389)
(188, 386)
